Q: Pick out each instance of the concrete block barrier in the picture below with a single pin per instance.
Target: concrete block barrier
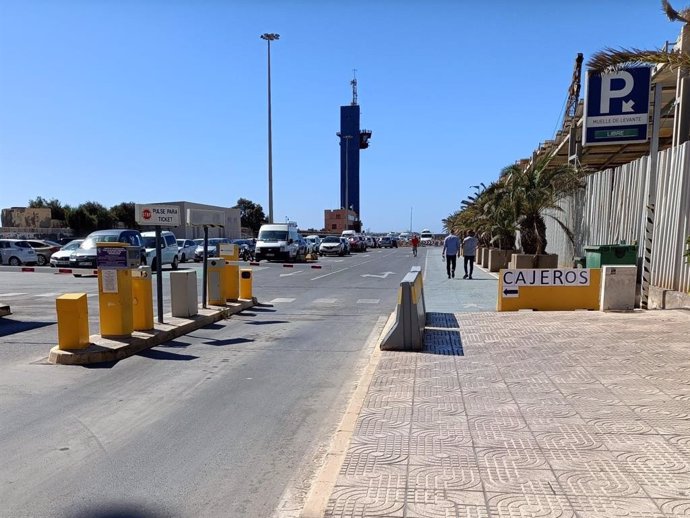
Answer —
(407, 334)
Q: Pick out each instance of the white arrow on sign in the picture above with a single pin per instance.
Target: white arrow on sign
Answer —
(382, 276)
(628, 106)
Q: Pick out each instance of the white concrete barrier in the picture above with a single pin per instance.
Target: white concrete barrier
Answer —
(407, 334)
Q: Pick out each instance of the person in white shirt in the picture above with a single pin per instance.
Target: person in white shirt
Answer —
(451, 246)
(469, 250)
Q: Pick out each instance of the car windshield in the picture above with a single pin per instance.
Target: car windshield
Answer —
(90, 242)
(273, 235)
(149, 241)
(331, 239)
(71, 245)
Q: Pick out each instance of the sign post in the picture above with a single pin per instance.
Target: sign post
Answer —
(157, 215)
(617, 107)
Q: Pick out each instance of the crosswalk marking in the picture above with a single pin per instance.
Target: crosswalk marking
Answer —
(325, 301)
(368, 301)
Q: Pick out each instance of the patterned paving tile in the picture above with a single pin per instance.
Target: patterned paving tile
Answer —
(445, 478)
(446, 504)
(609, 483)
(674, 508)
(354, 501)
(522, 505)
(607, 507)
(669, 463)
(519, 480)
(664, 485)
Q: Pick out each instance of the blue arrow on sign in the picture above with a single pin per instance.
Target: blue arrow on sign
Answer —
(617, 107)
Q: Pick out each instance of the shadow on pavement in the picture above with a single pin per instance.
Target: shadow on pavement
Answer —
(444, 342)
(176, 344)
(264, 322)
(9, 326)
(229, 341)
(101, 365)
(157, 354)
(447, 320)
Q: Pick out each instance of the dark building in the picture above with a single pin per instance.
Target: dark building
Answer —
(352, 139)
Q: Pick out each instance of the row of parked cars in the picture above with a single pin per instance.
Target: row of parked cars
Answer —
(81, 253)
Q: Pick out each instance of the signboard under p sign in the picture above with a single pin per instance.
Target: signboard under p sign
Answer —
(164, 215)
(617, 107)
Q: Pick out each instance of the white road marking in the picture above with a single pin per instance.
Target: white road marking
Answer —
(338, 271)
(382, 276)
(12, 294)
(50, 295)
(368, 301)
(291, 273)
(280, 299)
(325, 301)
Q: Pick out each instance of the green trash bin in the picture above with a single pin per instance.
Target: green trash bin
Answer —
(600, 255)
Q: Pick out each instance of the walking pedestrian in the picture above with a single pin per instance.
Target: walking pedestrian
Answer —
(451, 246)
(415, 243)
(469, 251)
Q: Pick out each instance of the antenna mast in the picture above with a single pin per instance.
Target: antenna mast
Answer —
(354, 87)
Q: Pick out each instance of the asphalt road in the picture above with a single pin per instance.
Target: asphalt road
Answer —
(232, 420)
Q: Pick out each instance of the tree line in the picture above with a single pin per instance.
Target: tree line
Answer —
(89, 216)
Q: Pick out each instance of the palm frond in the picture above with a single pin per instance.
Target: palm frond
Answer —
(611, 59)
(673, 15)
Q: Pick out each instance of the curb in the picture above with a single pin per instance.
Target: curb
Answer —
(322, 487)
(113, 349)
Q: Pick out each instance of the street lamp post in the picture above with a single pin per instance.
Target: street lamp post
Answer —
(269, 37)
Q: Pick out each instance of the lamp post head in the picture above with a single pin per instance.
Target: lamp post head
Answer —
(270, 36)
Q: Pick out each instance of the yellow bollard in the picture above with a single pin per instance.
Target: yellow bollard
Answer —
(231, 281)
(115, 303)
(231, 274)
(215, 281)
(73, 321)
(142, 299)
(245, 284)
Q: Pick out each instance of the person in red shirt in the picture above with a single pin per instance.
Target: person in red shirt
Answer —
(415, 243)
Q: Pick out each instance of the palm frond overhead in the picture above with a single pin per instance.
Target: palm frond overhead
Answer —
(673, 15)
(615, 59)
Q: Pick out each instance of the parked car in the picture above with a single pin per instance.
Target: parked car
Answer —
(85, 255)
(44, 249)
(313, 243)
(386, 242)
(356, 243)
(186, 249)
(213, 247)
(332, 245)
(346, 245)
(61, 257)
(280, 241)
(169, 249)
(16, 252)
(371, 242)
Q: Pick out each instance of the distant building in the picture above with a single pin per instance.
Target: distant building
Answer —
(335, 221)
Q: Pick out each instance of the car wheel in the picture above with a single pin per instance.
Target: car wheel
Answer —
(183, 259)
(41, 260)
(14, 261)
(153, 265)
(175, 263)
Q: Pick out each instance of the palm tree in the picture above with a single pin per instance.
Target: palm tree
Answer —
(535, 192)
(612, 59)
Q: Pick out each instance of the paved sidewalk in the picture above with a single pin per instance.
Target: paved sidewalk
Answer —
(569, 414)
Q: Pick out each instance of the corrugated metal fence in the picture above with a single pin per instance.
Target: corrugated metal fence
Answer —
(612, 209)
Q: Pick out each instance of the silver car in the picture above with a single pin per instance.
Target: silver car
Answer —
(16, 252)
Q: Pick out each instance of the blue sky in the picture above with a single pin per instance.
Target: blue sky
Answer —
(153, 101)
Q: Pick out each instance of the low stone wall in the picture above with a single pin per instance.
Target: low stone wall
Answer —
(660, 298)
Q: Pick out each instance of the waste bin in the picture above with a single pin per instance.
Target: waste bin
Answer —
(599, 255)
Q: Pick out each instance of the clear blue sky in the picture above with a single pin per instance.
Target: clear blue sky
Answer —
(162, 100)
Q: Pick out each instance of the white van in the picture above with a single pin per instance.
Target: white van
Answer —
(280, 242)
(348, 233)
(169, 249)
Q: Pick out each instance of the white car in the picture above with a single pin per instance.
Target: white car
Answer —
(313, 244)
(332, 245)
(186, 249)
(16, 252)
(61, 257)
(168, 249)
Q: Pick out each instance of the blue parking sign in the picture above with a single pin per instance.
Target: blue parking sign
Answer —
(617, 107)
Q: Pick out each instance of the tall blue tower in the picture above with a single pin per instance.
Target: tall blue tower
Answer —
(352, 139)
